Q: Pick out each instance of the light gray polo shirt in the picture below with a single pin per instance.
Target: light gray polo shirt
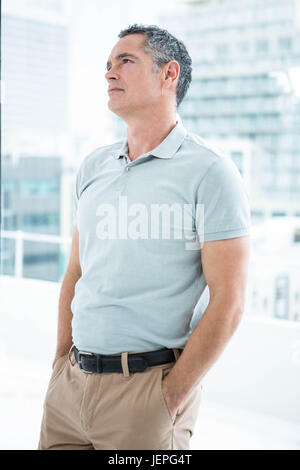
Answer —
(141, 224)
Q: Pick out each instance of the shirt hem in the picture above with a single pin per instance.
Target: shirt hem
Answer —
(226, 234)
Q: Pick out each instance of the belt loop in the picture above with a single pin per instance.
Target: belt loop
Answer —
(69, 355)
(124, 361)
(99, 364)
(176, 353)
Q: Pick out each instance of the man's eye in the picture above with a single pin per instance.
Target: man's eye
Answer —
(122, 61)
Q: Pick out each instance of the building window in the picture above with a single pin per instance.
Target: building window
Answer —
(278, 214)
(297, 236)
(40, 220)
(285, 43)
(243, 47)
(281, 296)
(262, 46)
(38, 187)
(39, 258)
(222, 51)
(10, 222)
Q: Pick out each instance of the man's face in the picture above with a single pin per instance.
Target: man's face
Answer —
(140, 86)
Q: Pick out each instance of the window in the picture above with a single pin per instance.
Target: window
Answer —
(297, 239)
(40, 220)
(281, 296)
(285, 43)
(10, 222)
(40, 187)
(243, 47)
(262, 46)
(222, 51)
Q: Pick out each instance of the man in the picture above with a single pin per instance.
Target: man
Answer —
(128, 368)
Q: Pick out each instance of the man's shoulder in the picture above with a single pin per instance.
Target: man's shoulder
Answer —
(203, 146)
(203, 153)
(103, 151)
(96, 157)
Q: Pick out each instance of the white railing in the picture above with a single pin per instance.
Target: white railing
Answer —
(19, 236)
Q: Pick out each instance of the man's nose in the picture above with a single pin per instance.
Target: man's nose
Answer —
(111, 74)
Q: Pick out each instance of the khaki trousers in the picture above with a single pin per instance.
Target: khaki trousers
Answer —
(113, 411)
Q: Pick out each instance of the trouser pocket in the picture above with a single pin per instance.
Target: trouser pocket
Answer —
(187, 412)
(164, 371)
(58, 367)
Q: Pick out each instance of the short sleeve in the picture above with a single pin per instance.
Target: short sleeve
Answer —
(77, 187)
(224, 209)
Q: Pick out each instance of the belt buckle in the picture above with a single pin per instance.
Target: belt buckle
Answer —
(83, 353)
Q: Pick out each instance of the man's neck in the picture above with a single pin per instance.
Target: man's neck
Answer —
(143, 137)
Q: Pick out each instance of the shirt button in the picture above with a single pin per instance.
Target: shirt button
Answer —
(127, 168)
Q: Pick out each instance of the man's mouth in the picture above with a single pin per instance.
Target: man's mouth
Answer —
(112, 90)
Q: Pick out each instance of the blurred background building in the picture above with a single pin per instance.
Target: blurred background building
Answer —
(35, 77)
(35, 52)
(246, 86)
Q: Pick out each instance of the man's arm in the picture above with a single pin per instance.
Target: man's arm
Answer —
(73, 273)
(225, 268)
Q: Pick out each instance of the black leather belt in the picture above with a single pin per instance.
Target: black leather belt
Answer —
(137, 362)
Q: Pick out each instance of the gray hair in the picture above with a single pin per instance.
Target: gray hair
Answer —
(163, 47)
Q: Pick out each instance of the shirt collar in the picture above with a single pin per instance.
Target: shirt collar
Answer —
(166, 149)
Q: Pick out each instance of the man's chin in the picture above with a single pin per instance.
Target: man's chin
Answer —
(116, 110)
(112, 106)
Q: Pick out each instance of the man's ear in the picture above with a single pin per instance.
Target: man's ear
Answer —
(172, 71)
